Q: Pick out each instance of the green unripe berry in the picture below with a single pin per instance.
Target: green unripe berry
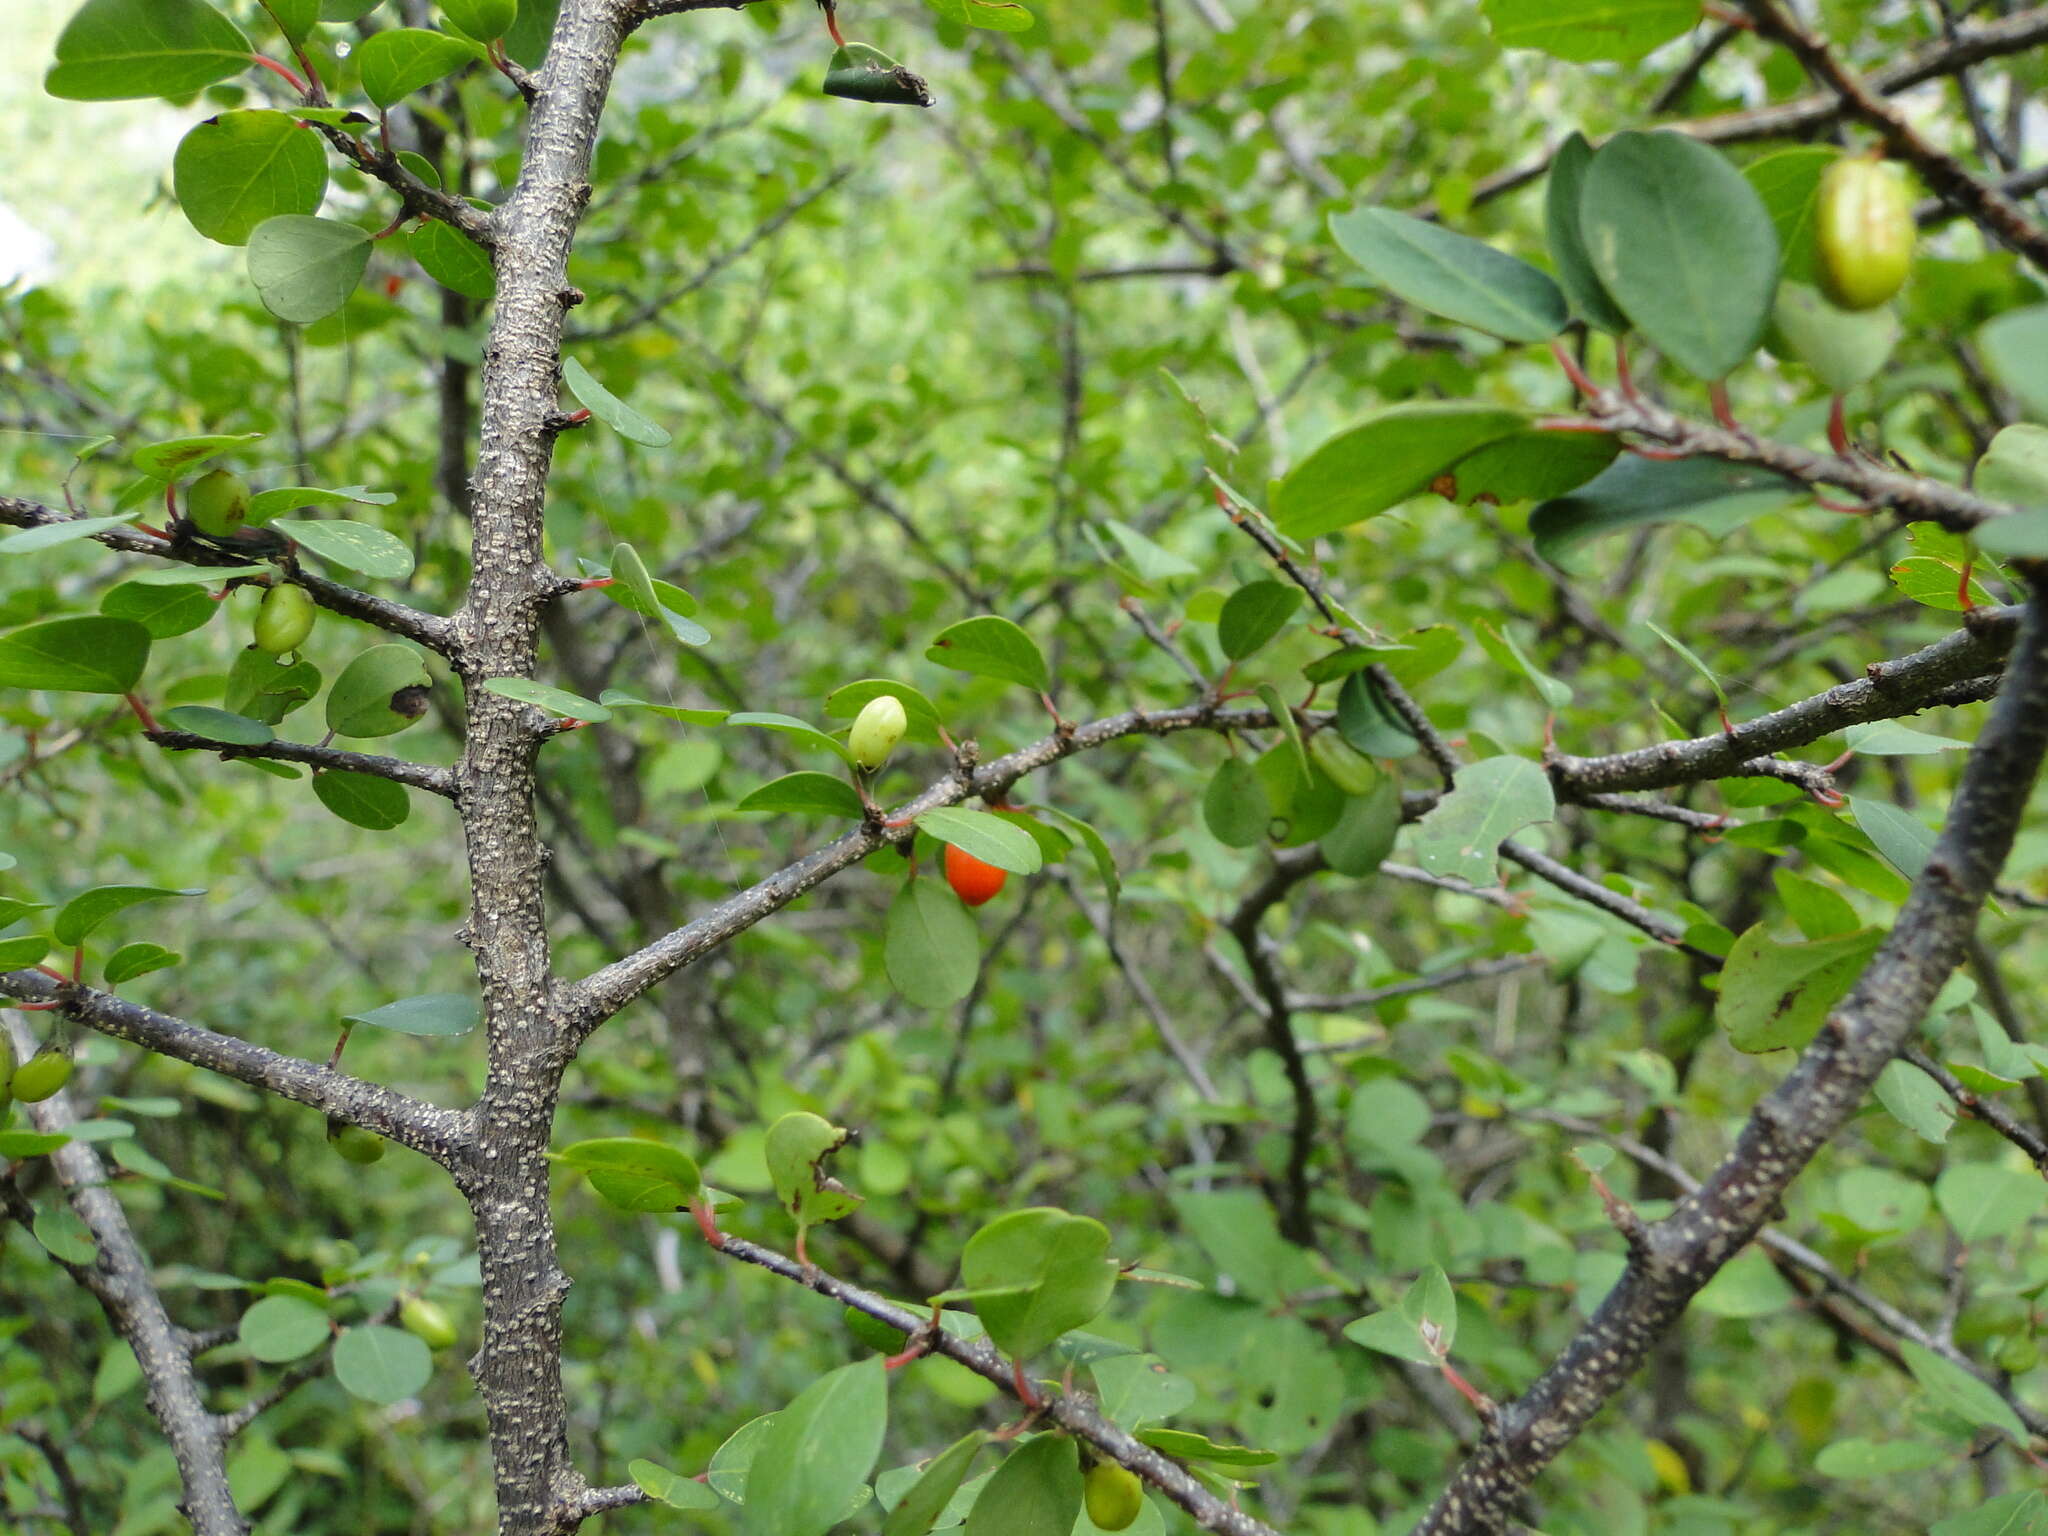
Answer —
(40, 1076)
(284, 620)
(427, 1321)
(876, 730)
(1863, 232)
(217, 503)
(1114, 1495)
(2019, 1353)
(355, 1144)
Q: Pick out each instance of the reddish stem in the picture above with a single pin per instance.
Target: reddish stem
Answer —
(1026, 1393)
(334, 1061)
(280, 70)
(1573, 371)
(591, 584)
(707, 1223)
(1478, 1399)
(149, 725)
(832, 23)
(51, 970)
(78, 963)
(1723, 412)
(1838, 428)
(1622, 371)
(1963, 587)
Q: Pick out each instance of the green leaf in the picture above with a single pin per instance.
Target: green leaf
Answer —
(931, 948)
(987, 837)
(1387, 458)
(1575, 274)
(1035, 1492)
(1528, 466)
(1488, 803)
(305, 268)
(1981, 1200)
(1234, 807)
(993, 15)
(264, 691)
(618, 698)
(1789, 184)
(610, 409)
(1587, 30)
(49, 535)
(789, 725)
(1880, 1201)
(557, 701)
(82, 914)
(1916, 1101)
(1774, 996)
(15, 1145)
(281, 1328)
(356, 547)
(22, 951)
(814, 1460)
(362, 799)
(233, 171)
(844, 703)
(1686, 654)
(381, 1365)
(484, 20)
(670, 1488)
(1502, 646)
(1843, 348)
(265, 505)
(2010, 1514)
(439, 1014)
(163, 611)
(2015, 469)
(218, 724)
(85, 655)
(1365, 831)
(797, 1148)
(1036, 1274)
(1961, 1393)
(1421, 1328)
(117, 50)
(381, 692)
(1254, 614)
(1684, 245)
(1367, 720)
(1747, 1286)
(192, 575)
(1452, 275)
(400, 60)
(133, 960)
(1098, 849)
(991, 646)
(453, 260)
(805, 794)
(176, 457)
(919, 1509)
(1903, 839)
(1189, 1446)
(66, 1237)
(1136, 1390)
(1709, 494)
(632, 1174)
(2015, 348)
(859, 72)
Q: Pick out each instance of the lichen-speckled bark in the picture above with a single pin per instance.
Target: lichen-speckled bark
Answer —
(518, 1368)
(1711, 1225)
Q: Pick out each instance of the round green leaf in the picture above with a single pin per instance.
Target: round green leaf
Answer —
(305, 268)
(1390, 456)
(1036, 1274)
(83, 913)
(453, 260)
(133, 960)
(1035, 1492)
(987, 837)
(1254, 614)
(1684, 245)
(281, 1328)
(382, 1365)
(1488, 803)
(992, 646)
(805, 794)
(363, 799)
(353, 546)
(484, 20)
(1452, 275)
(382, 691)
(163, 611)
(634, 1174)
(88, 655)
(233, 171)
(400, 60)
(930, 946)
(1234, 807)
(116, 50)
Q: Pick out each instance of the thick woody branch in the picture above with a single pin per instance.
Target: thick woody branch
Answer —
(1076, 1413)
(1995, 212)
(1953, 670)
(430, 630)
(589, 1002)
(426, 1128)
(120, 1281)
(435, 781)
(1860, 1038)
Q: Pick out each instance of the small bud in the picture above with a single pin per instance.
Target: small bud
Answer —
(427, 1321)
(355, 1144)
(284, 620)
(217, 503)
(876, 730)
(1863, 232)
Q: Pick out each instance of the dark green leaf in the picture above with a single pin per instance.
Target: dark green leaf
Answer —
(987, 837)
(88, 655)
(218, 725)
(991, 646)
(1575, 272)
(1035, 1492)
(114, 50)
(814, 1460)
(400, 60)
(362, 799)
(79, 917)
(808, 794)
(1452, 275)
(931, 948)
(1384, 460)
(233, 171)
(1254, 614)
(353, 546)
(381, 1365)
(433, 1013)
